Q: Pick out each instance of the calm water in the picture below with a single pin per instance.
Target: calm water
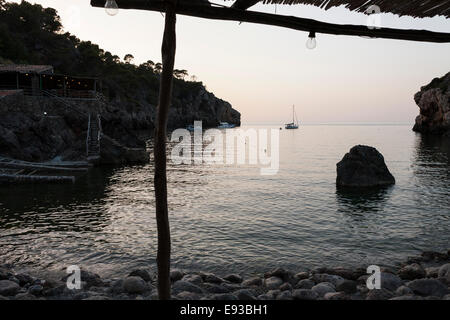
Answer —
(231, 219)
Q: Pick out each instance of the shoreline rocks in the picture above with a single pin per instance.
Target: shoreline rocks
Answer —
(425, 277)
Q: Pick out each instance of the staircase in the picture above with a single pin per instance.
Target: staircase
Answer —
(94, 135)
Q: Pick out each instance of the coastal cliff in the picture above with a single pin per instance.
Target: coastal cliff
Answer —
(434, 103)
(34, 128)
(41, 129)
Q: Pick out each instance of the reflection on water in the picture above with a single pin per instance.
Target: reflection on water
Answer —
(231, 219)
(359, 201)
(432, 160)
(55, 207)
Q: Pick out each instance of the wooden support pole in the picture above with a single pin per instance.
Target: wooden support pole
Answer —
(290, 22)
(165, 96)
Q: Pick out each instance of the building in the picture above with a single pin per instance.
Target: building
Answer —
(41, 80)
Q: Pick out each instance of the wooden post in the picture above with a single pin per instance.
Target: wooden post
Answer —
(165, 94)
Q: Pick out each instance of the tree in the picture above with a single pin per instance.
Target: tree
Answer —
(180, 74)
(29, 17)
(158, 68)
(193, 78)
(149, 65)
(128, 58)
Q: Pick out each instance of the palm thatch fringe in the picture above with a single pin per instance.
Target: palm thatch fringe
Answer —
(413, 8)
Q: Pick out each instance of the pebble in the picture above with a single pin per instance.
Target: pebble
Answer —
(273, 282)
(335, 296)
(211, 278)
(185, 295)
(98, 298)
(407, 297)
(255, 281)
(428, 287)
(432, 272)
(24, 279)
(323, 277)
(412, 271)
(224, 296)
(286, 287)
(403, 291)
(8, 288)
(141, 273)
(215, 288)
(193, 278)
(322, 288)
(347, 286)
(36, 289)
(176, 275)
(379, 294)
(301, 276)
(305, 284)
(245, 294)
(279, 273)
(183, 285)
(233, 278)
(285, 295)
(390, 281)
(444, 272)
(134, 285)
(24, 296)
(304, 294)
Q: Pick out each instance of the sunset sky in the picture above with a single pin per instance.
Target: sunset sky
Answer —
(262, 70)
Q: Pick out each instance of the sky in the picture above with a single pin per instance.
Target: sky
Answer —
(264, 70)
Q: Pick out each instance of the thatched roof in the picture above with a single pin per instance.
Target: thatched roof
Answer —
(414, 8)
(25, 68)
(237, 12)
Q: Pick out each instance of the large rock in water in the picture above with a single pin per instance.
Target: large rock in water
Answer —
(363, 166)
(434, 103)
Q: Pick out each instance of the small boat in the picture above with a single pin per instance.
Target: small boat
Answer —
(294, 123)
(226, 125)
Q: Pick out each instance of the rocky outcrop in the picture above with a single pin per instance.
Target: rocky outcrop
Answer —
(203, 106)
(434, 103)
(363, 167)
(40, 129)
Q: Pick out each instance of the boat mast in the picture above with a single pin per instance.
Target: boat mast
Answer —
(293, 112)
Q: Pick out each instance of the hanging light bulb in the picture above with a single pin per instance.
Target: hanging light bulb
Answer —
(311, 43)
(111, 7)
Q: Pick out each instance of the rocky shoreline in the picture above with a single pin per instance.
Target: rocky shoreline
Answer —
(424, 277)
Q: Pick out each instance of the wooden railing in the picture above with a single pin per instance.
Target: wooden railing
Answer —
(61, 93)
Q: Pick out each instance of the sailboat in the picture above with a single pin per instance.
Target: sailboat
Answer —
(294, 123)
